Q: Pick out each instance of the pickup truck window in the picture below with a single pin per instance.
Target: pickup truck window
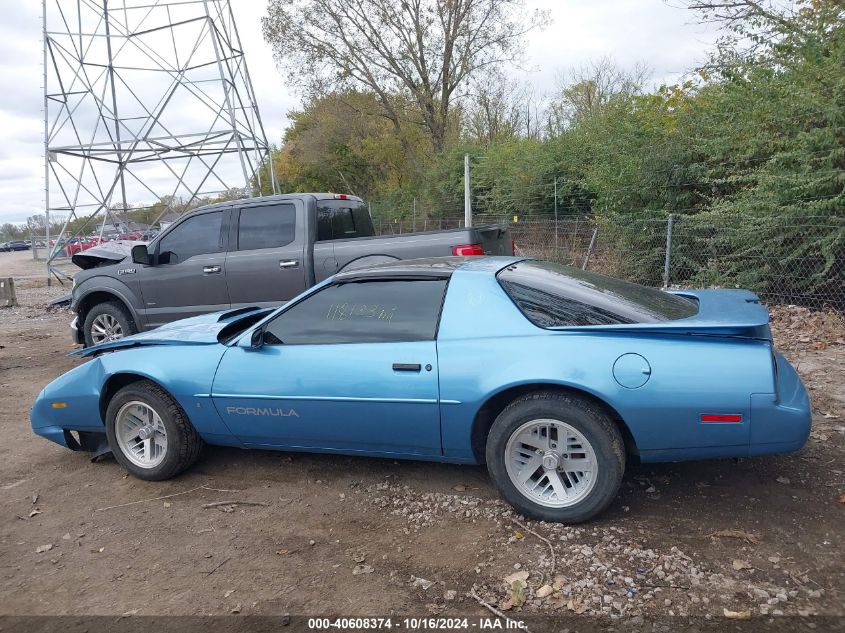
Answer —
(362, 312)
(343, 219)
(197, 235)
(268, 226)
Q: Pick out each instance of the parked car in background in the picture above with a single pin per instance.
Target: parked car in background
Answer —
(75, 245)
(15, 245)
(245, 253)
(83, 243)
(548, 374)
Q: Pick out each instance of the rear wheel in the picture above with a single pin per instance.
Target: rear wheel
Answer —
(556, 457)
(149, 433)
(105, 322)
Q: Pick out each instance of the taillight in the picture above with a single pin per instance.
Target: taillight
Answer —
(513, 247)
(341, 196)
(467, 249)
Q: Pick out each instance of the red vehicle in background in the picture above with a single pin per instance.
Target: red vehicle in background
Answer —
(79, 244)
(75, 245)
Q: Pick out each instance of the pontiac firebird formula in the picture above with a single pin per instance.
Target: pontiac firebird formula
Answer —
(548, 374)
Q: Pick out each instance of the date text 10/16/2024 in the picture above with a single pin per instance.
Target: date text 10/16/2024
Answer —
(415, 624)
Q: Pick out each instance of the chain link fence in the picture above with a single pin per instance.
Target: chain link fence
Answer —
(796, 260)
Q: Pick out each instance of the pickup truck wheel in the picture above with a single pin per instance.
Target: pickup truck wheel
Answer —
(149, 433)
(556, 457)
(105, 322)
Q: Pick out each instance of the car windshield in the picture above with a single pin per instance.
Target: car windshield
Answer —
(553, 295)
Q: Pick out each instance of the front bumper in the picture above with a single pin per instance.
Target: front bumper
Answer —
(88, 441)
(76, 332)
(69, 415)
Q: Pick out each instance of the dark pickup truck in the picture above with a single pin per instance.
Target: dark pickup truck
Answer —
(252, 252)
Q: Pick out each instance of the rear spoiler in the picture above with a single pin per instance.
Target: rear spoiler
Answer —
(736, 313)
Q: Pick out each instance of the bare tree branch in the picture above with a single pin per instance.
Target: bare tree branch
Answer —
(587, 91)
(425, 50)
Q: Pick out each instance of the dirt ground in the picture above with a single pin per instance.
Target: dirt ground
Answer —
(342, 535)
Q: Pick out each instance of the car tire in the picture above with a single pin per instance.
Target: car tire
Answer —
(536, 447)
(169, 444)
(112, 321)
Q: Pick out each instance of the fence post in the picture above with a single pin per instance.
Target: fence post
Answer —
(557, 245)
(589, 250)
(467, 194)
(667, 261)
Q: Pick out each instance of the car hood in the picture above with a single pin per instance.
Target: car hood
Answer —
(200, 330)
(104, 255)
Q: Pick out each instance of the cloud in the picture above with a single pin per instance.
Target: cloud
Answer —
(629, 31)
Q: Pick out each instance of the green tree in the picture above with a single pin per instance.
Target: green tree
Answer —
(342, 142)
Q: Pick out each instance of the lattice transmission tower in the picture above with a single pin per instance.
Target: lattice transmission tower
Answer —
(145, 101)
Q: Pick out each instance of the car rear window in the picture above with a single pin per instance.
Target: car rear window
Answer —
(554, 295)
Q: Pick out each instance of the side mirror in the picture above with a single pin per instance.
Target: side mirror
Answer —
(140, 254)
(256, 341)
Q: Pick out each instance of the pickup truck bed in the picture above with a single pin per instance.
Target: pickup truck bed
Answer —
(363, 251)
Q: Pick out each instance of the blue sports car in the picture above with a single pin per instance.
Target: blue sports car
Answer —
(548, 374)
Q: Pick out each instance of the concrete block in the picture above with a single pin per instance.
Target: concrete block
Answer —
(7, 293)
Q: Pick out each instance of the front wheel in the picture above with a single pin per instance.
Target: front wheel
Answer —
(149, 433)
(106, 322)
(556, 457)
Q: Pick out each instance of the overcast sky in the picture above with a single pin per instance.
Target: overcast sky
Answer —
(665, 38)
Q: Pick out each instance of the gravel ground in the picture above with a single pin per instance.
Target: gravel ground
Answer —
(756, 538)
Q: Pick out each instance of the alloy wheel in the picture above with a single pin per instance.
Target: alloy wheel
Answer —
(551, 463)
(105, 328)
(141, 434)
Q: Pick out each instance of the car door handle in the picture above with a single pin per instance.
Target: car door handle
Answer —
(406, 367)
(289, 263)
(210, 270)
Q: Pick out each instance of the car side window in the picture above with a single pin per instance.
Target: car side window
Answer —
(267, 226)
(362, 312)
(198, 235)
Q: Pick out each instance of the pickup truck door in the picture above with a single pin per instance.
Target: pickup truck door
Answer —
(188, 277)
(265, 265)
(352, 368)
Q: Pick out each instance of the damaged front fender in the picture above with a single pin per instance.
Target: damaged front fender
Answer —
(67, 415)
